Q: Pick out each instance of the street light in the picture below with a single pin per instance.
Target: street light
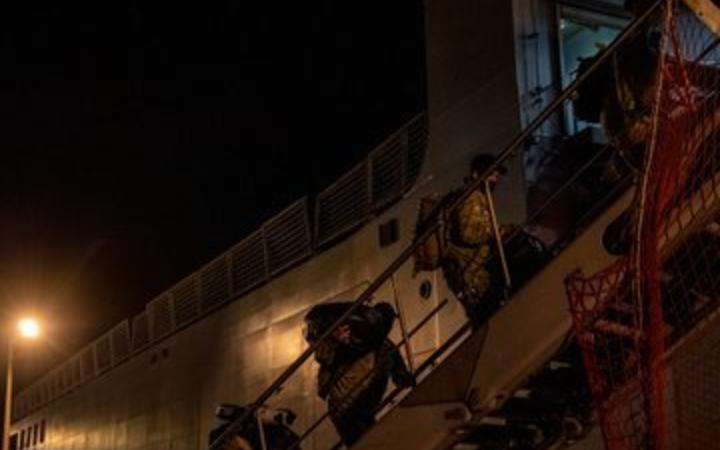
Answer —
(28, 329)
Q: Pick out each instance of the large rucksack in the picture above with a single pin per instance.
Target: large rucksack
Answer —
(369, 326)
(526, 255)
(430, 253)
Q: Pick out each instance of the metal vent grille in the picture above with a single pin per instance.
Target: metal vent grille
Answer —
(386, 165)
(18, 407)
(215, 283)
(249, 266)
(59, 382)
(67, 373)
(27, 403)
(287, 237)
(55, 380)
(343, 205)
(140, 331)
(23, 405)
(31, 399)
(186, 301)
(51, 388)
(87, 358)
(36, 396)
(120, 341)
(47, 391)
(42, 393)
(77, 372)
(417, 135)
(161, 322)
(103, 355)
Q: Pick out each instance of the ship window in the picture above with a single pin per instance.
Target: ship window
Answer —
(426, 289)
(389, 233)
(42, 431)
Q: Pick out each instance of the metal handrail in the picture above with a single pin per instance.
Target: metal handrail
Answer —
(507, 153)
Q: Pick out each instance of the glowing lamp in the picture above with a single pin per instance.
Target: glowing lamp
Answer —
(29, 328)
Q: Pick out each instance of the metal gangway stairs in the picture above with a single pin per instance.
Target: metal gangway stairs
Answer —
(465, 385)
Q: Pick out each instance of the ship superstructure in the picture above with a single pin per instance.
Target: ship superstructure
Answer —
(501, 77)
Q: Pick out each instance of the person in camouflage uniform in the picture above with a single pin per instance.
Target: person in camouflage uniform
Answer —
(355, 363)
(470, 243)
(627, 116)
(276, 430)
(620, 94)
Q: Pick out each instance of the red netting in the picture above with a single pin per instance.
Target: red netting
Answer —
(651, 358)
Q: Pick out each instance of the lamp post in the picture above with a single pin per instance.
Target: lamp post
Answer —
(27, 328)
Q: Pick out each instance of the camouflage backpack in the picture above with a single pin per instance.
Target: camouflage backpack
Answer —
(429, 255)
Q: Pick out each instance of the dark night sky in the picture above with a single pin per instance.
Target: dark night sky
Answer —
(139, 141)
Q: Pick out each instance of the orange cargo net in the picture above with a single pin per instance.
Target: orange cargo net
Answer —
(637, 319)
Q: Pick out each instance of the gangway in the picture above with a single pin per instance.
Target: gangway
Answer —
(474, 374)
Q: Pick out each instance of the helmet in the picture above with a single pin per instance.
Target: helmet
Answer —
(228, 412)
(483, 162)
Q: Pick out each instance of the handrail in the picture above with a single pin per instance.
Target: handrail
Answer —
(436, 223)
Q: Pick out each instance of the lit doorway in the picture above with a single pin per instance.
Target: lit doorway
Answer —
(583, 33)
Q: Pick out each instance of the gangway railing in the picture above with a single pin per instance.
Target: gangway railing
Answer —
(435, 224)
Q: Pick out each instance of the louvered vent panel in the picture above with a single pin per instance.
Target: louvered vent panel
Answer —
(287, 237)
(67, 372)
(386, 165)
(416, 148)
(42, 394)
(140, 331)
(87, 358)
(161, 322)
(186, 300)
(60, 381)
(103, 353)
(344, 205)
(52, 389)
(47, 389)
(215, 283)
(77, 372)
(18, 407)
(120, 341)
(31, 399)
(248, 263)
